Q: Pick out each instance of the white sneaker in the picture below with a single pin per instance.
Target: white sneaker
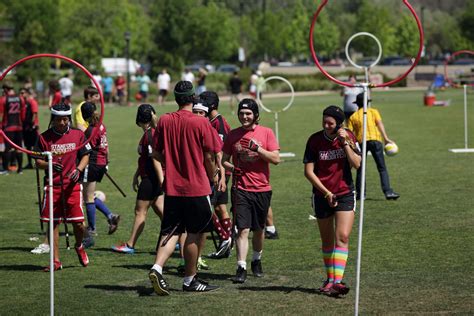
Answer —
(42, 248)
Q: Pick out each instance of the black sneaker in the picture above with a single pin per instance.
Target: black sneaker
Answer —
(199, 286)
(392, 195)
(240, 275)
(270, 235)
(113, 223)
(223, 251)
(159, 284)
(257, 268)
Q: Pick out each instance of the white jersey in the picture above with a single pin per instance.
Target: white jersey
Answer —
(66, 85)
(164, 81)
(188, 76)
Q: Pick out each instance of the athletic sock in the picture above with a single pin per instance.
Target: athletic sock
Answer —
(270, 229)
(340, 260)
(328, 257)
(90, 209)
(187, 280)
(103, 208)
(227, 224)
(257, 255)
(220, 230)
(158, 268)
(242, 264)
(19, 158)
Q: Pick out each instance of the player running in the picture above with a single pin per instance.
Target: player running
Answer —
(329, 156)
(60, 139)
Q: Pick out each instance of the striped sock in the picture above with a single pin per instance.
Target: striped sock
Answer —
(340, 260)
(328, 257)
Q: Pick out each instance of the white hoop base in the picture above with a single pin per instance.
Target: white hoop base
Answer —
(462, 150)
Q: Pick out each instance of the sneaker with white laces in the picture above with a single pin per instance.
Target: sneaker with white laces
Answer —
(158, 282)
(113, 223)
(82, 255)
(198, 285)
(124, 248)
(42, 248)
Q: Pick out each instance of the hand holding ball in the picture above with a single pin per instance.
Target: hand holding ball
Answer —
(391, 149)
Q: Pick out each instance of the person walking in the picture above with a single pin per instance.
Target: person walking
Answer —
(252, 148)
(329, 156)
(375, 134)
(235, 87)
(163, 82)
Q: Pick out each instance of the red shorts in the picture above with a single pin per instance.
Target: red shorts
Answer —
(73, 201)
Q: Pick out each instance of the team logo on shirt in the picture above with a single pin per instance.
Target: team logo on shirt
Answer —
(332, 154)
(63, 148)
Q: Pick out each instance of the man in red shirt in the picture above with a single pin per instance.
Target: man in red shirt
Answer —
(186, 145)
(14, 112)
(252, 148)
(61, 139)
(30, 124)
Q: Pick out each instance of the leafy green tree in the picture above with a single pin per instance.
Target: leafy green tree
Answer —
(326, 36)
(296, 32)
(407, 37)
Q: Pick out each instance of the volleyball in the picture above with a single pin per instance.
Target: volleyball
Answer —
(391, 149)
(99, 195)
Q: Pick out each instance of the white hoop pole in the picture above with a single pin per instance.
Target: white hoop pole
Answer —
(276, 128)
(349, 43)
(465, 118)
(51, 231)
(276, 78)
(362, 198)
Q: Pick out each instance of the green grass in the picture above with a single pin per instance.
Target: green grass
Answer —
(417, 251)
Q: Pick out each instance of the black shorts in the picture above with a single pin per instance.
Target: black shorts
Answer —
(163, 92)
(322, 209)
(219, 198)
(148, 190)
(16, 137)
(94, 173)
(251, 208)
(30, 138)
(144, 94)
(188, 214)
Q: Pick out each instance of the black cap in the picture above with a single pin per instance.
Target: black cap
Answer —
(360, 100)
(87, 109)
(209, 99)
(144, 113)
(336, 112)
(250, 104)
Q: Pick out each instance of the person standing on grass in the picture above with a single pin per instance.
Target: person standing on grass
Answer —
(30, 124)
(350, 94)
(186, 145)
(375, 134)
(163, 81)
(95, 170)
(146, 181)
(68, 165)
(91, 94)
(329, 156)
(252, 148)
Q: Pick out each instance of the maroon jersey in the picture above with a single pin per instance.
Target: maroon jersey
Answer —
(13, 113)
(63, 144)
(31, 119)
(182, 138)
(56, 98)
(221, 126)
(99, 145)
(330, 163)
(145, 160)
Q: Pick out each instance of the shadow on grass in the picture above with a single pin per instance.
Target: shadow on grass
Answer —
(141, 290)
(285, 289)
(21, 267)
(25, 249)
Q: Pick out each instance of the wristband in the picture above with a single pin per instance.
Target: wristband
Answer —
(217, 172)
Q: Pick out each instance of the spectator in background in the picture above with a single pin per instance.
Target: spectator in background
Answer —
(97, 78)
(187, 76)
(253, 84)
(143, 81)
(163, 82)
(30, 124)
(201, 82)
(120, 88)
(66, 86)
(54, 93)
(107, 86)
(350, 94)
(235, 85)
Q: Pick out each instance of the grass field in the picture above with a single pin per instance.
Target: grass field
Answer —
(417, 251)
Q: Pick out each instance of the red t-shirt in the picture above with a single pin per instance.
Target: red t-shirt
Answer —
(99, 144)
(57, 97)
(330, 163)
(220, 124)
(14, 112)
(145, 160)
(57, 143)
(31, 109)
(182, 138)
(255, 171)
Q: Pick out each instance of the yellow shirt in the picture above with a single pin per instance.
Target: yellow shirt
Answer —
(77, 117)
(356, 120)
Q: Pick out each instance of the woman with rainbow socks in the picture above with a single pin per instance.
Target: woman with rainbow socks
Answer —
(329, 156)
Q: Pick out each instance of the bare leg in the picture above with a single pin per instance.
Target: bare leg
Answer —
(242, 244)
(344, 222)
(165, 252)
(326, 231)
(159, 205)
(191, 250)
(79, 229)
(141, 209)
(257, 240)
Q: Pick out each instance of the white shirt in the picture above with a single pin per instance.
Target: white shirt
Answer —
(350, 95)
(164, 81)
(66, 85)
(188, 76)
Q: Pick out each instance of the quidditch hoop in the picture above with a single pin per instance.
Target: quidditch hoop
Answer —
(75, 63)
(342, 83)
(291, 99)
(348, 56)
(470, 52)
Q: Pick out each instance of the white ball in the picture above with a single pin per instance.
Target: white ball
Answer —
(391, 149)
(100, 195)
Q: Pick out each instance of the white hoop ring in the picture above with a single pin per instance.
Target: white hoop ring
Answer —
(369, 35)
(291, 99)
